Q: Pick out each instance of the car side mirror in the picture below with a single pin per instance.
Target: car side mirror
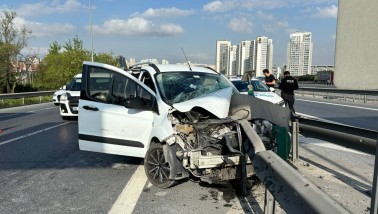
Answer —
(272, 89)
(64, 87)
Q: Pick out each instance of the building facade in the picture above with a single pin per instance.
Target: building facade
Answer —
(249, 55)
(299, 53)
(222, 56)
(263, 55)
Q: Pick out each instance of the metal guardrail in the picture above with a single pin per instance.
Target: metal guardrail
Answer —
(294, 192)
(343, 94)
(22, 96)
(340, 91)
(360, 139)
(25, 95)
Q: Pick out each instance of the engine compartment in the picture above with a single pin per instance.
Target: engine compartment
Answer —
(211, 148)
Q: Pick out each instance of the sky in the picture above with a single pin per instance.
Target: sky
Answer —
(160, 29)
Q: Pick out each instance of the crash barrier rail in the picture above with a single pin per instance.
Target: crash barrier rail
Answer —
(284, 184)
(39, 94)
(360, 139)
(342, 94)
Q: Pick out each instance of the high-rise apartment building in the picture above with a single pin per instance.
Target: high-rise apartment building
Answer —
(299, 53)
(222, 56)
(263, 55)
(248, 55)
(232, 60)
(243, 57)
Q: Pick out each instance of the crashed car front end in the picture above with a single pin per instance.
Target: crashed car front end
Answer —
(209, 133)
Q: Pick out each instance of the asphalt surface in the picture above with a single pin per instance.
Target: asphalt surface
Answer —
(43, 171)
(349, 113)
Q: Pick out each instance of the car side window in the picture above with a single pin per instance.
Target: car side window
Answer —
(124, 88)
(98, 84)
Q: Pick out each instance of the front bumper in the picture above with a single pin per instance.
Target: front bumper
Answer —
(69, 107)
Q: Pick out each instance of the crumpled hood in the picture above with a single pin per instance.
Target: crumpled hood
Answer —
(218, 103)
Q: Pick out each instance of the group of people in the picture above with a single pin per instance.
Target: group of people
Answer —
(287, 86)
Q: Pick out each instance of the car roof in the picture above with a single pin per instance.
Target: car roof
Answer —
(177, 68)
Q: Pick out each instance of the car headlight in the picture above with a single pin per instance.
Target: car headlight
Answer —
(281, 103)
(64, 97)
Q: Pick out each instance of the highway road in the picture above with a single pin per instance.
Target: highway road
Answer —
(353, 114)
(42, 170)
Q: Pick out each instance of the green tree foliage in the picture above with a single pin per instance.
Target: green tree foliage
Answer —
(62, 62)
(13, 39)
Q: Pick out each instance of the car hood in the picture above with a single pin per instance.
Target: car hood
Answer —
(218, 103)
(267, 96)
(59, 92)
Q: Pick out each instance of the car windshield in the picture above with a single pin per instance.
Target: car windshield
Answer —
(75, 84)
(257, 85)
(176, 87)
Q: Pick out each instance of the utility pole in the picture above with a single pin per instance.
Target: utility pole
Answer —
(90, 23)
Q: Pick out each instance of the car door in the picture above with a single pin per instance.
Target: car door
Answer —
(105, 124)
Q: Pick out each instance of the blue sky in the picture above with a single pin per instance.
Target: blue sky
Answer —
(159, 29)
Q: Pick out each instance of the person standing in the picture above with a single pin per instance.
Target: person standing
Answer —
(287, 87)
(270, 80)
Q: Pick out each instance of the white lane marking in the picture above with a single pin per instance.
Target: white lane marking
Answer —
(33, 133)
(40, 110)
(335, 104)
(318, 118)
(130, 194)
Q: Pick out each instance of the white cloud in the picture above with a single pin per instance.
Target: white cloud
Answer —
(164, 12)
(265, 16)
(136, 26)
(44, 30)
(49, 8)
(242, 25)
(327, 12)
(292, 30)
(282, 24)
(221, 6)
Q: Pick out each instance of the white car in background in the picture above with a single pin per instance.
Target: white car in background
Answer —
(57, 94)
(260, 90)
(69, 100)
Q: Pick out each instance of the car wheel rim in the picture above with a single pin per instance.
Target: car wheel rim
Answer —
(158, 167)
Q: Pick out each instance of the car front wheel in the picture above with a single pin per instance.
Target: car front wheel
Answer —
(157, 168)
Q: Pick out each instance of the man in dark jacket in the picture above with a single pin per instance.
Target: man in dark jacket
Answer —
(287, 87)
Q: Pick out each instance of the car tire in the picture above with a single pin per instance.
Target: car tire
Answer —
(157, 168)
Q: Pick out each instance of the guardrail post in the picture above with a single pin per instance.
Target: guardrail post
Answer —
(365, 98)
(23, 101)
(294, 141)
(344, 97)
(353, 97)
(313, 94)
(374, 196)
(40, 99)
(270, 203)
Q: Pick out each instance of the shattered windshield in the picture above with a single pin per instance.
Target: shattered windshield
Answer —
(177, 87)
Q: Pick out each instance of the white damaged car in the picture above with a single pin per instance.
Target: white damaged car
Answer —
(183, 120)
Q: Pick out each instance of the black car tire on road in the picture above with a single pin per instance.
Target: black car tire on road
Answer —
(157, 168)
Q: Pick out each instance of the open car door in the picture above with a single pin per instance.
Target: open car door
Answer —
(116, 111)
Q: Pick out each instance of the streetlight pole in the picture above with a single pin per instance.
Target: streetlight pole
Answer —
(90, 23)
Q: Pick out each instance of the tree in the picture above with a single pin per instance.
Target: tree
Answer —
(12, 40)
(62, 62)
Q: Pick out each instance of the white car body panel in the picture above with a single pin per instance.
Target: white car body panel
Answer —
(101, 123)
(218, 103)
